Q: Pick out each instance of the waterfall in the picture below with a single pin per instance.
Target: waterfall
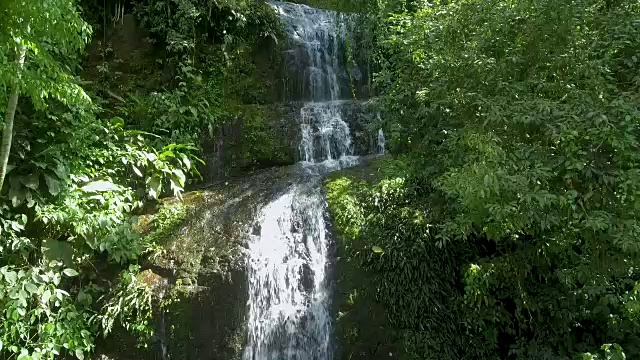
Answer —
(289, 294)
(381, 142)
(316, 38)
(325, 135)
(288, 315)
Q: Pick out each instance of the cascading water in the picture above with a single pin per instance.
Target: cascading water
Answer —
(315, 39)
(288, 250)
(288, 312)
(381, 142)
(318, 77)
(325, 135)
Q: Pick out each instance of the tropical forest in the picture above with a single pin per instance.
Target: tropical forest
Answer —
(319, 179)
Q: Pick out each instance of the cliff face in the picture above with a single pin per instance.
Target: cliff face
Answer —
(250, 156)
(258, 110)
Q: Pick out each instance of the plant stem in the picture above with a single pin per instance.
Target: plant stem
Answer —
(7, 136)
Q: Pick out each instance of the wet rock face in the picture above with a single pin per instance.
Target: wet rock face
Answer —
(208, 320)
(263, 136)
(204, 267)
(310, 68)
(256, 137)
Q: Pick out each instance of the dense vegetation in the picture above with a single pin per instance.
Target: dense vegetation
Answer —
(507, 222)
(507, 227)
(88, 142)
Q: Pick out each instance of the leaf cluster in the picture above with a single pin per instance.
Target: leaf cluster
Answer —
(516, 123)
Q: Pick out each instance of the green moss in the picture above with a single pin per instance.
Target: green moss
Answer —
(370, 172)
(201, 309)
(361, 325)
(165, 222)
(263, 142)
(180, 228)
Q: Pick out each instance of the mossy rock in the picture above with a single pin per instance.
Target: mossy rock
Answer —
(361, 328)
(261, 136)
(202, 258)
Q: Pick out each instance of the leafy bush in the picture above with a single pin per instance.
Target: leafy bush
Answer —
(517, 121)
(73, 183)
(79, 167)
(388, 230)
(131, 304)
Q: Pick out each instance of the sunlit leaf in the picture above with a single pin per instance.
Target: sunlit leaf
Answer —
(11, 277)
(155, 184)
(46, 295)
(70, 272)
(185, 160)
(24, 356)
(179, 174)
(100, 186)
(136, 170)
(31, 288)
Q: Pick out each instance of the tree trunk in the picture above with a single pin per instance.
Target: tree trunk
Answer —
(7, 135)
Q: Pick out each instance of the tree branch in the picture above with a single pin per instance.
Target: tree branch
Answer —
(7, 135)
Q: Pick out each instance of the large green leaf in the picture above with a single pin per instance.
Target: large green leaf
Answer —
(54, 185)
(46, 296)
(180, 176)
(155, 186)
(70, 272)
(185, 160)
(11, 277)
(24, 356)
(31, 181)
(31, 288)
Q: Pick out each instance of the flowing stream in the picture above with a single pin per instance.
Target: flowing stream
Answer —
(289, 256)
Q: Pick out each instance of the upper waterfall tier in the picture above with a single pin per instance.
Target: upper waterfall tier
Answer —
(316, 55)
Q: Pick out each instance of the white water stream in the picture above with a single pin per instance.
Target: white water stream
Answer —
(289, 294)
(381, 143)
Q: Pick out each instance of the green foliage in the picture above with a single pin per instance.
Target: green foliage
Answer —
(165, 222)
(129, 303)
(180, 115)
(69, 208)
(260, 143)
(387, 229)
(183, 24)
(75, 180)
(51, 42)
(39, 317)
(610, 352)
(517, 125)
(201, 68)
(82, 165)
